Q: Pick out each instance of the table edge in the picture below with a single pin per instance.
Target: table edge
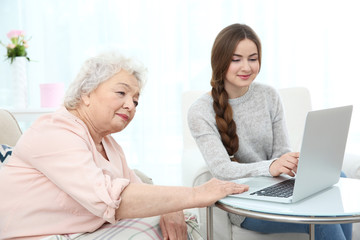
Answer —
(289, 218)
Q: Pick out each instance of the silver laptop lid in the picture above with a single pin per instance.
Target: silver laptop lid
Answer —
(322, 150)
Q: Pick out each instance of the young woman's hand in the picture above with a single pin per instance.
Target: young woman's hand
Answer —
(286, 164)
(215, 189)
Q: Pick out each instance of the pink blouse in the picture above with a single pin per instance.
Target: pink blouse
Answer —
(56, 182)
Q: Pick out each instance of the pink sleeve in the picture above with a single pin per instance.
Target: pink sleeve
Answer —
(68, 160)
(134, 178)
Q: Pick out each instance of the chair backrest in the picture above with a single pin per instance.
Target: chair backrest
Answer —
(188, 98)
(10, 131)
(296, 102)
(192, 160)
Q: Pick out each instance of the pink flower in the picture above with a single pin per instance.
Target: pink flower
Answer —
(11, 46)
(17, 46)
(15, 34)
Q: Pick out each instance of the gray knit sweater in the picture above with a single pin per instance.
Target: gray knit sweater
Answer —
(261, 130)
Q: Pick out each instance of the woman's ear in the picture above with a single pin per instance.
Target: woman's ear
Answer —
(86, 99)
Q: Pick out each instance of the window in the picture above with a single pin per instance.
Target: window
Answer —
(305, 43)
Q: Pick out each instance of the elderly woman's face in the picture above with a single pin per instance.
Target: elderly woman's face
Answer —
(112, 104)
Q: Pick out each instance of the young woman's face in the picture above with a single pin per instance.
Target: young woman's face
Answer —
(243, 68)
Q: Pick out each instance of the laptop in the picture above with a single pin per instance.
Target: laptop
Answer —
(320, 162)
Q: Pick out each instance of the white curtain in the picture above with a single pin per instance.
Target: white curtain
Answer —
(305, 43)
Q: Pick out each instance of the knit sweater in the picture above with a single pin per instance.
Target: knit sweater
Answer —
(260, 126)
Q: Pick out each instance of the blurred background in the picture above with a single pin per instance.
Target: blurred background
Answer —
(307, 43)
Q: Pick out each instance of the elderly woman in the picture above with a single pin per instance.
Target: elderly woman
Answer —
(68, 175)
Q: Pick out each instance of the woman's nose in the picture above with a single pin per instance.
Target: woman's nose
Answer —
(129, 104)
(245, 65)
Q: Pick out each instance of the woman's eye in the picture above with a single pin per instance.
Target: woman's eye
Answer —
(121, 93)
(253, 59)
(136, 103)
(235, 60)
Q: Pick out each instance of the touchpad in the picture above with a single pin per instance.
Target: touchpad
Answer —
(260, 182)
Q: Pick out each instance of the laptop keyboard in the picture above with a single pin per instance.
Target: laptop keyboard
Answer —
(283, 189)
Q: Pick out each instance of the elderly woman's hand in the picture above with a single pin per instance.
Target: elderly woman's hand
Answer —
(173, 226)
(215, 189)
(143, 200)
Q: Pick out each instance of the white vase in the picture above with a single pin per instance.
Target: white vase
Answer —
(20, 83)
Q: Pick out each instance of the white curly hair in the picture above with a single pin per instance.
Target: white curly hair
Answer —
(98, 69)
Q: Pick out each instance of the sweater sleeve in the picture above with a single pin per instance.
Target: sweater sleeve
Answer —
(203, 128)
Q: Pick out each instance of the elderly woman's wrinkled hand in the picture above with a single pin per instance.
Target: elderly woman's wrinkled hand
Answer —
(215, 189)
(173, 226)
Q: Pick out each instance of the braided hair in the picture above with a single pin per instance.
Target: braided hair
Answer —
(221, 55)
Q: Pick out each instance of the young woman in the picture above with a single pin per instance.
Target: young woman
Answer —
(240, 129)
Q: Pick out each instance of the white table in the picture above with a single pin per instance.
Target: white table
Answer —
(338, 204)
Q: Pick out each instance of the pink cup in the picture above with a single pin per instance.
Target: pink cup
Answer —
(51, 94)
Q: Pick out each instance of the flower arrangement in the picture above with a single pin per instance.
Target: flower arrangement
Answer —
(18, 45)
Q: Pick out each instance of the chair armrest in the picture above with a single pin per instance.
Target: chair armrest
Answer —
(192, 161)
(351, 165)
(221, 221)
(194, 173)
(144, 178)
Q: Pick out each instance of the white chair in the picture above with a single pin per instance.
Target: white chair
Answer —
(10, 130)
(195, 172)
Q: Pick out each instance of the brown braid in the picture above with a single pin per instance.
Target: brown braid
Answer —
(221, 55)
(224, 120)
